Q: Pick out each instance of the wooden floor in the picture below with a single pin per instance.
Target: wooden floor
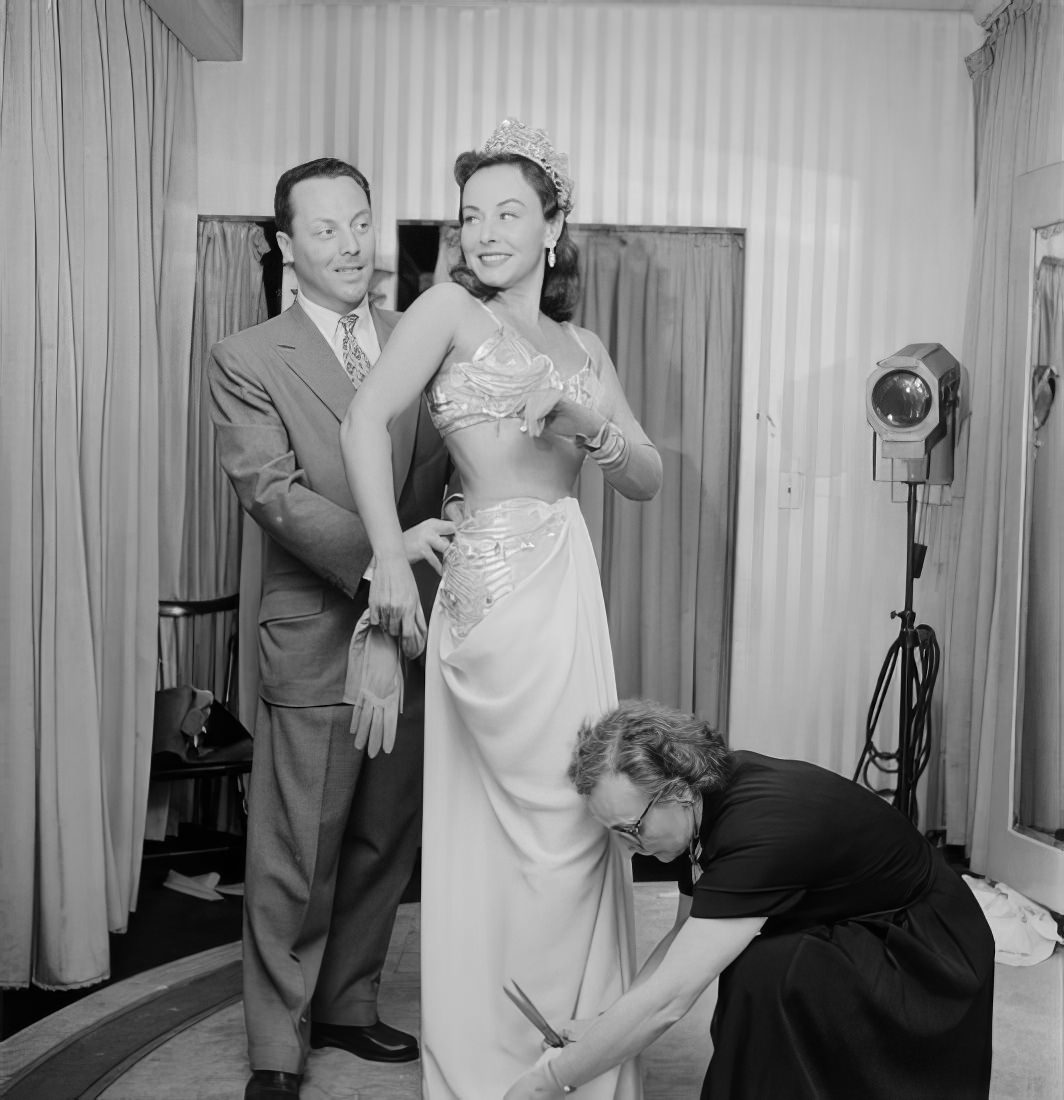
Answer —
(204, 1058)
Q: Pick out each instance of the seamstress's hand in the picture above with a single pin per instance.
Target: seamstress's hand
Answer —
(395, 605)
(551, 411)
(427, 540)
(573, 1030)
(537, 1083)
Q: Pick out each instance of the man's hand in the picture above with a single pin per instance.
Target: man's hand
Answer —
(454, 508)
(427, 540)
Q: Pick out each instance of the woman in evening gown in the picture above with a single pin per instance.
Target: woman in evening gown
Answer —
(518, 880)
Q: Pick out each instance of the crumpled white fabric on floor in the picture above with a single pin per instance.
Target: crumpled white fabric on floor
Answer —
(1024, 932)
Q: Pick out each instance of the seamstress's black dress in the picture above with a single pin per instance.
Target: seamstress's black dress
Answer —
(872, 978)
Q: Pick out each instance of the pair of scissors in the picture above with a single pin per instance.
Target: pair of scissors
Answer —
(533, 1015)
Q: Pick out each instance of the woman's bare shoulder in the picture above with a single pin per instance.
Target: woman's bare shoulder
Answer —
(592, 343)
(588, 336)
(437, 314)
(444, 298)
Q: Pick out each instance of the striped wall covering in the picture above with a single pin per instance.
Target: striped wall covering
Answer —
(840, 140)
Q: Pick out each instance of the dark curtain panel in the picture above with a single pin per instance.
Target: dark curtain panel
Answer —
(229, 297)
(668, 306)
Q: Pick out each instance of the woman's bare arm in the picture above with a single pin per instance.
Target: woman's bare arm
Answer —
(607, 431)
(639, 476)
(420, 342)
(699, 951)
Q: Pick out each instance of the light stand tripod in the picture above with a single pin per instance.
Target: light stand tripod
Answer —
(918, 650)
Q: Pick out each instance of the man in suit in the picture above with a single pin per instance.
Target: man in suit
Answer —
(332, 833)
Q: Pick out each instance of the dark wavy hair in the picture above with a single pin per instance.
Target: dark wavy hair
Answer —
(561, 283)
(663, 751)
(323, 168)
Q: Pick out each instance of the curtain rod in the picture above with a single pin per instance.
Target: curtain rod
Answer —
(601, 226)
(610, 227)
(235, 217)
(598, 227)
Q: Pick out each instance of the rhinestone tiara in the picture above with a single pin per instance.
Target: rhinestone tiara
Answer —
(515, 137)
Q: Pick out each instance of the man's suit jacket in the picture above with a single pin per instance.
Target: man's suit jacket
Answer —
(279, 395)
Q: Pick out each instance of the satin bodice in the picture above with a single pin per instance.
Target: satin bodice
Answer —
(493, 384)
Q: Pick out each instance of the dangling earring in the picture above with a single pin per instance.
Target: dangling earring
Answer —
(551, 258)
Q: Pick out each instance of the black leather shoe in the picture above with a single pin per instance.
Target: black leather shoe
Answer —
(376, 1043)
(271, 1084)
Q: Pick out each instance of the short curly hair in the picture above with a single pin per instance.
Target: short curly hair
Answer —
(561, 284)
(663, 751)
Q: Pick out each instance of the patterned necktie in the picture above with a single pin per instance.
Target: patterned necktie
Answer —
(355, 360)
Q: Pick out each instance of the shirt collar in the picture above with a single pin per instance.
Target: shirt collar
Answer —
(326, 320)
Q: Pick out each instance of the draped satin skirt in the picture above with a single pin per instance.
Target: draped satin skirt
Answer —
(518, 880)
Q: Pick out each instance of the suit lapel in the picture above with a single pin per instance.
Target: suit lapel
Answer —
(404, 426)
(307, 352)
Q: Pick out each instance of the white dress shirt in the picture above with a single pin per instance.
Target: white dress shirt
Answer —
(328, 324)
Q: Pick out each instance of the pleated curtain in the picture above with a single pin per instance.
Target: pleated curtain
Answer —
(668, 306)
(98, 188)
(1019, 124)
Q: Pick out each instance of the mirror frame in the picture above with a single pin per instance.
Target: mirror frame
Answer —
(1031, 865)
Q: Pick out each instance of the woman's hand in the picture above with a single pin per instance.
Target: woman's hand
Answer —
(550, 410)
(395, 604)
(394, 601)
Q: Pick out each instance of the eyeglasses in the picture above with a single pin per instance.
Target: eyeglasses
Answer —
(632, 829)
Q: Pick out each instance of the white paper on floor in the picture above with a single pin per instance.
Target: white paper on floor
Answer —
(197, 886)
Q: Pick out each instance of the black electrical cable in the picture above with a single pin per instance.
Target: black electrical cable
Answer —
(914, 742)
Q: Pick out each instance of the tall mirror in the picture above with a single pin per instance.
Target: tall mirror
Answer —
(1039, 794)
(1026, 828)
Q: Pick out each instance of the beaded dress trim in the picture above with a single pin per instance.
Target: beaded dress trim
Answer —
(492, 552)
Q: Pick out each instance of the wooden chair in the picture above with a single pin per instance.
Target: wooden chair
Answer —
(223, 751)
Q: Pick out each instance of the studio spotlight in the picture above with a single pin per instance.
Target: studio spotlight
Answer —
(912, 402)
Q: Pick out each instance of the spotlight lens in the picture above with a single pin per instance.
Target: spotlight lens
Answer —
(902, 399)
